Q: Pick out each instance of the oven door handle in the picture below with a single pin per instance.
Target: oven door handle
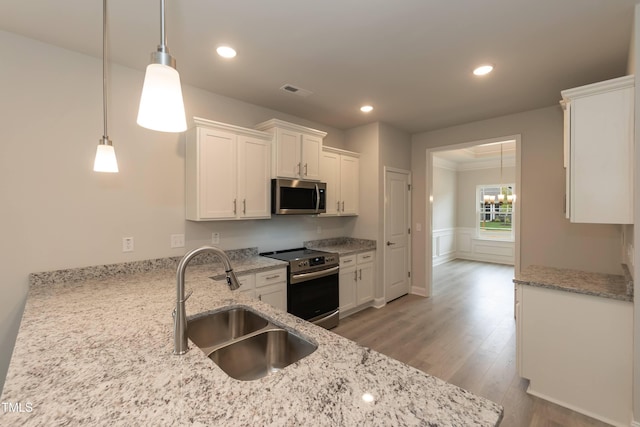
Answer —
(297, 278)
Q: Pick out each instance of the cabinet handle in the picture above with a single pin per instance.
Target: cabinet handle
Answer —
(347, 261)
(299, 169)
(343, 206)
(355, 275)
(360, 277)
(389, 243)
(338, 202)
(272, 277)
(234, 206)
(366, 257)
(305, 169)
(244, 206)
(260, 297)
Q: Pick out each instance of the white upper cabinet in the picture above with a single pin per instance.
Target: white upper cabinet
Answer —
(228, 172)
(340, 169)
(297, 150)
(599, 151)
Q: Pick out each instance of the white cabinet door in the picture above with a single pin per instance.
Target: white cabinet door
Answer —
(348, 288)
(228, 172)
(310, 157)
(274, 295)
(365, 283)
(288, 154)
(217, 174)
(601, 151)
(254, 173)
(330, 168)
(349, 185)
(298, 150)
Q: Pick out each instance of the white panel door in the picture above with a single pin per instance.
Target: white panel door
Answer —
(218, 172)
(349, 185)
(288, 154)
(331, 176)
(310, 158)
(254, 172)
(396, 247)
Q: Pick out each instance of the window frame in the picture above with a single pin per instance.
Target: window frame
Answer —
(494, 235)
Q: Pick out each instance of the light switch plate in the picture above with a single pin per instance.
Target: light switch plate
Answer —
(215, 238)
(177, 240)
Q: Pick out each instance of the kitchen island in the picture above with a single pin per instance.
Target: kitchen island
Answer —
(98, 351)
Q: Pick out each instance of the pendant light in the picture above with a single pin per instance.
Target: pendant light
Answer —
(161, 104)
(105, 160)
(500, 195)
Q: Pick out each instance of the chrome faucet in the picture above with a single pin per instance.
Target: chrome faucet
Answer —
(179, 314)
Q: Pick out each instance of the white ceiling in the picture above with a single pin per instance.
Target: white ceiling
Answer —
(411, 59)
(492, 155)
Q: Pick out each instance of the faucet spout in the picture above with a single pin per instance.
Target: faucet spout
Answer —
(180, 316)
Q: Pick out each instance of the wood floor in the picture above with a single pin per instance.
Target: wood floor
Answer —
(464, 334)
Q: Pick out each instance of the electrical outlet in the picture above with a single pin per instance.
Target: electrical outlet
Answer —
(215, 238)
(177, 240)
(127, 244)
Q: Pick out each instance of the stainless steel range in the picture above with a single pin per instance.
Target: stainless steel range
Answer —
(312, 284)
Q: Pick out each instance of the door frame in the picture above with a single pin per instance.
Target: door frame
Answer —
(386, 170)
(428, 250)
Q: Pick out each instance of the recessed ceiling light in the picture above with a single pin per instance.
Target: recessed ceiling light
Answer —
(226, 52)
(483, 70)
(366, 108)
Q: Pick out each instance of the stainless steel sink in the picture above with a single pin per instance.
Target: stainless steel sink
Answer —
(259, 355)
(246, 345)
(214, 329)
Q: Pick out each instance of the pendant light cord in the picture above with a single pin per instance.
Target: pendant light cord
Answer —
(163, 35)
(104, 65)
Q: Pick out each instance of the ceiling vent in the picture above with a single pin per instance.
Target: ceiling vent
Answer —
(296, 90)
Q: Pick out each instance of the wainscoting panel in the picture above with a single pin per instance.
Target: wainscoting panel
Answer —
(471, 248)
(444, 245)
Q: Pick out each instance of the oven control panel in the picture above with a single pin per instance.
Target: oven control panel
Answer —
(318, 261)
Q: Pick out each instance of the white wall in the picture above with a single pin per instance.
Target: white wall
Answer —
(445, 198)
(547, 238)
(57, 213)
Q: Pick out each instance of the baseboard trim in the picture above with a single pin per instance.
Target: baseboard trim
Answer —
(635, 423)
(421, 292)
(578, 409)
(379, 303)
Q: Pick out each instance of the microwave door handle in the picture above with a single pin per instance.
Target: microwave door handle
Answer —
(317, 198)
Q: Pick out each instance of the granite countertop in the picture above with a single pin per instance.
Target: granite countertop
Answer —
(342, 245)
(612, 286)
(99, 352)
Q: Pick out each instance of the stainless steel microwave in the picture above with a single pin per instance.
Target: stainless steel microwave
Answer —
(297, 197)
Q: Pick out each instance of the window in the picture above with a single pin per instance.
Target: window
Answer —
(495, 211)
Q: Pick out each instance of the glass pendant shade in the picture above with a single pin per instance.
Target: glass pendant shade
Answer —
(161, 104)
(105, 158)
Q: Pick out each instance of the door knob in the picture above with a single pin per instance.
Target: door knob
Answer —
(389, 243)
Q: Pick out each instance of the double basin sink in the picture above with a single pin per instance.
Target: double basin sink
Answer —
(246, 345)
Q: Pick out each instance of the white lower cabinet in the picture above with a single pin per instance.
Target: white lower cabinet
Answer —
(576, 350)
(268, 286)
(357, 274)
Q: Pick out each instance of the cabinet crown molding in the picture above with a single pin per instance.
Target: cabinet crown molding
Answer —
(599, 87)
(206, 123)
(328, 149)
(290, 126)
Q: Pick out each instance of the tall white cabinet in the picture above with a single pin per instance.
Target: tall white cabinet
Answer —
(297, 150)
(228, 171)
(599, 151)
(340, 169)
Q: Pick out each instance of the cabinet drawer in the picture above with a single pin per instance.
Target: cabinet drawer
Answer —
(272, 276)
(366, 257)
(247, 282)
(347, 261)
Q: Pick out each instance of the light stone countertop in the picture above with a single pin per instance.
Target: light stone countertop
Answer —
(342, 245)
(619, 287)
(99, 352)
